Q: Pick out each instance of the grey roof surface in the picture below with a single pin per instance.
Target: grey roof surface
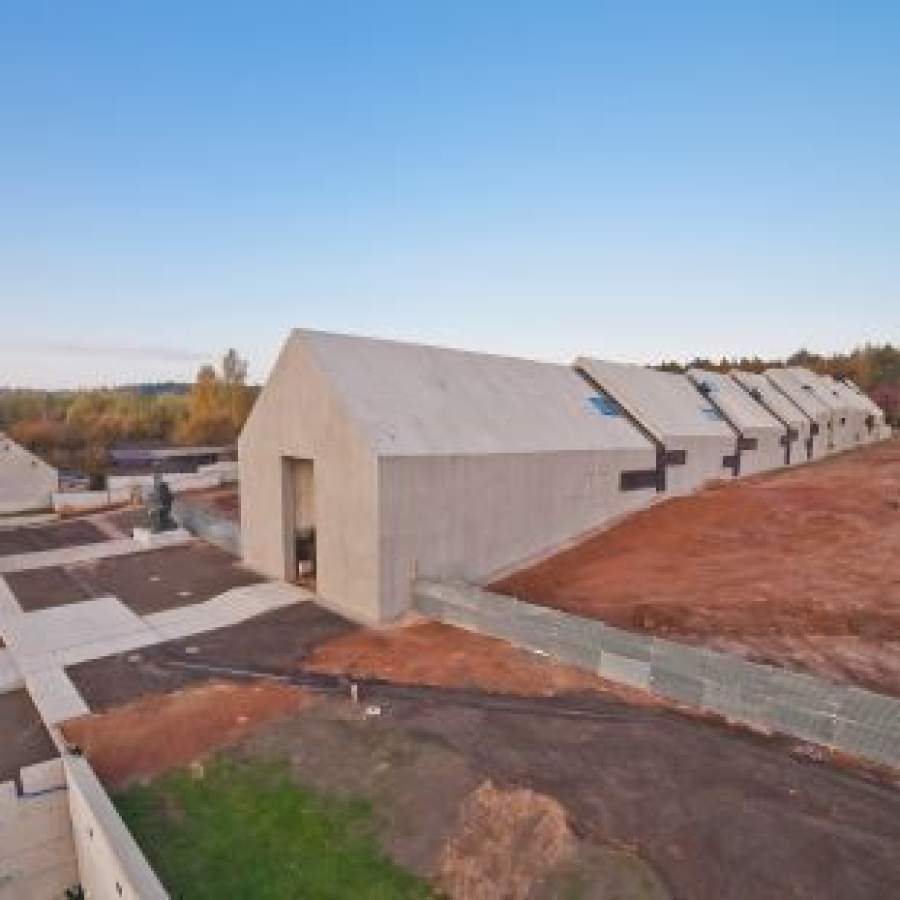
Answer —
(412, 399)
(737, 405)
(788, 383)
(666, 403)
(780, 405)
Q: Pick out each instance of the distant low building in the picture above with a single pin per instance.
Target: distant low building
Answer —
(140, 458)
(26, 482)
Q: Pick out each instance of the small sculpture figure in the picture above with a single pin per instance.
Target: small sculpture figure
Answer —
(159, 506)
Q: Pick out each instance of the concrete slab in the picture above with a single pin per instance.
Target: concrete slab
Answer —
(60, 635)
(819, 414)
(763, 438)
(44, 776)
(19, 562)
(55, 696)
(680, 420)
(10, 676)
(763, 392)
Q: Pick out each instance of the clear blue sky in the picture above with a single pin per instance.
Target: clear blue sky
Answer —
(635, 180)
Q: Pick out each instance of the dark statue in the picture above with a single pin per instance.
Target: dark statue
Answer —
(159, 506)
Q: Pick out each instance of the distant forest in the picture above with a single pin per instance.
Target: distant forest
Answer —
(75, 429)
(869, 366)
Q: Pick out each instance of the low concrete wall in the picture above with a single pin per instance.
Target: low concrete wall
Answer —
(110, 863)
(37, 853)
(845, 718)
(177, 481)
(204, 524)
(85, 501)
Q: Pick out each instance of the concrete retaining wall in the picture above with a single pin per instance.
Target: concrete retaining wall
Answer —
(85, 501)
(37, 854)
(110, 863)
(216, 529)
(177, 481)
(845, 718)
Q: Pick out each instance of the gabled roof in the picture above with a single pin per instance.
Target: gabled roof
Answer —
(411, 399)
(788, 383)
(737, 405)
(665, 403)
(774, 400)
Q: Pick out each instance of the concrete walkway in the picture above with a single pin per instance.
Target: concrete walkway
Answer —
(44, 559)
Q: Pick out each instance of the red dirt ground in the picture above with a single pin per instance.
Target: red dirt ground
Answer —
(799, 568)
(159, 732)
(435, 654)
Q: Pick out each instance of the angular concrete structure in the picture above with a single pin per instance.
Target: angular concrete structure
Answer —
(26, 481)
(763, 439)
(846, 423)
(797, 425)
(374, 463)
(879, 427)
(819, 415)
(863, 423)
(694, 443)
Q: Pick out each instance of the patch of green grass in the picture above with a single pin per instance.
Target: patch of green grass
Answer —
(246, 830)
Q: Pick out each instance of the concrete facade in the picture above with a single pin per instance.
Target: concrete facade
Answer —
(427, 462)
(690, 433)
(819, 415)
(863, 423)
(764, 439)
(26, 482)
(880, 427)
(846, 420)
(795, 421)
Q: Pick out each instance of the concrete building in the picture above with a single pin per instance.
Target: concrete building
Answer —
(376, 462)
(764, 440)
(26, 482)
(694, 443)
(879, 415)
(819, 415)
(862, 422)
(796, 423)
(846, 422)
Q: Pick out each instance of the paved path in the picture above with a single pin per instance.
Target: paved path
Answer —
(44, 559)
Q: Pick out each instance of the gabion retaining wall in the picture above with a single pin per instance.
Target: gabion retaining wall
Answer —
(845, 718)
(217, 530)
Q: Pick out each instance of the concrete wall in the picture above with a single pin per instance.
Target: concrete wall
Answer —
(864, 421)
(426, 459)
(110, 863)
(37, 854)
(820, 416)
(764, 437)
(846, 423)
(669, 407)
(762, 391)
(299, 416)
(475, 517)
(26, 482)
(843, 717)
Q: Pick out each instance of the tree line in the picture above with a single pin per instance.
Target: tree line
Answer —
(869, 366)
(75, 429)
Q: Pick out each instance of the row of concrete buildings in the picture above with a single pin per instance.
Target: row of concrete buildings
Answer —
(374, 463)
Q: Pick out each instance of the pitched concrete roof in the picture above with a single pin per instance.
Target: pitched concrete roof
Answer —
(412, 399)
(665, 403)
(740, 408)
(774, 400)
